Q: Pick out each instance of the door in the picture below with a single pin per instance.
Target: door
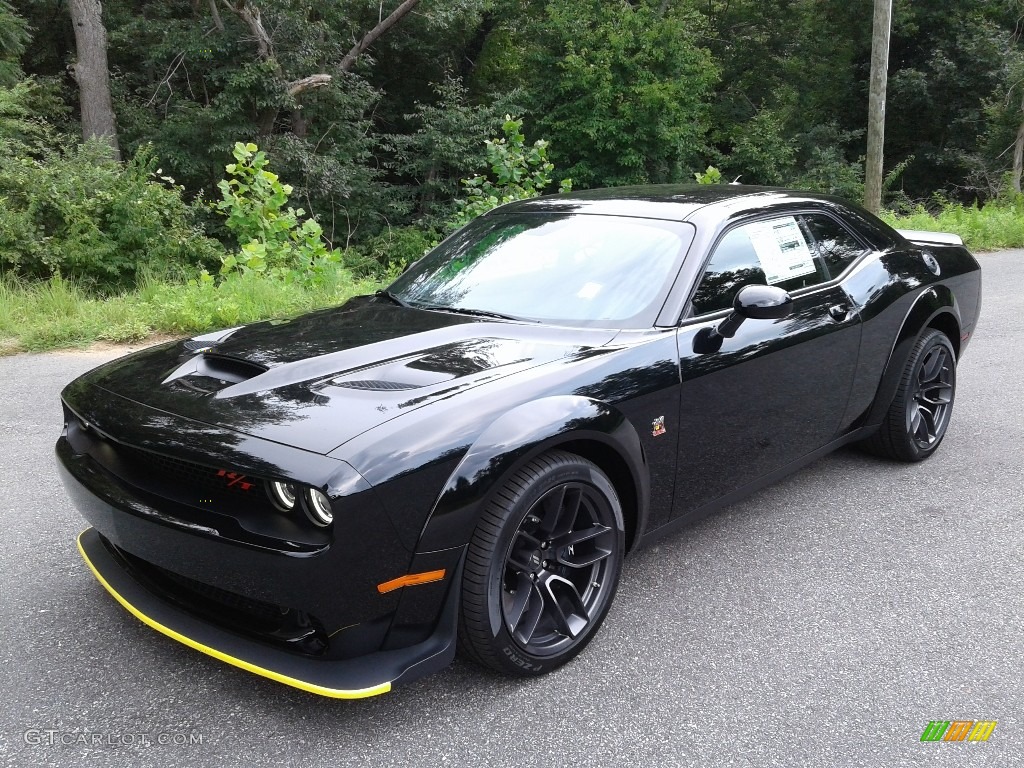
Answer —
(778, 389)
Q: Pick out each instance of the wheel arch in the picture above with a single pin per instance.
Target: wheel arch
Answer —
(949, 324)
(936, 308)
(589, 428)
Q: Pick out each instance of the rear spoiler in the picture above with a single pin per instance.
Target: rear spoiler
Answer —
(931, 238)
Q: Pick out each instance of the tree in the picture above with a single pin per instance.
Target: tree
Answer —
(13, 38)
(250, 15)
(620, 90)
(446, 143)
(91, 73)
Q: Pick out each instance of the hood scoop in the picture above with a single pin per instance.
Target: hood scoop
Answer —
(211, 372)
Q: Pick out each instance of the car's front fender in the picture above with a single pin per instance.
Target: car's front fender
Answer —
(572, 422)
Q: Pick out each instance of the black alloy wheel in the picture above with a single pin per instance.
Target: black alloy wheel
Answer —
(931, 403)
(542, 567)
(919, 415)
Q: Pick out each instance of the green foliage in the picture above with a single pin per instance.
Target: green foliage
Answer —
(519, 173)
(952, 60)
(245, 298)
(997, 224)
(621, 89)
(762, 153)
(21, 132)
(829, 172)
(75, 212)
(710, 176)
(446, 144)
(38, 315)
(273, 241)
(14, 37)
(388, 253)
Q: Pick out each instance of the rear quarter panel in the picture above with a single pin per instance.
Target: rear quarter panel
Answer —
(898, 296)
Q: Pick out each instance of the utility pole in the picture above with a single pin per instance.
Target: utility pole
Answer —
(876, 105)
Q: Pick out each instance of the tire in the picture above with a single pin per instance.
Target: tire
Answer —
(919, 414)
(542, 567)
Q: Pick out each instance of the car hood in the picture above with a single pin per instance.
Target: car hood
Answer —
(319, 380)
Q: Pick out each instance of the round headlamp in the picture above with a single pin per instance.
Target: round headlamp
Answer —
(318, 508)
(282, 495)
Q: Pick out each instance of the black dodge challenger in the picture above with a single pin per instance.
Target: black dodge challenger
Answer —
(339, 501)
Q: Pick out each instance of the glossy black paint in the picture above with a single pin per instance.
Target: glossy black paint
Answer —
(409, 419)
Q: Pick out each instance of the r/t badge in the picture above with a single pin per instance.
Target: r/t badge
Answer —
(658, 426)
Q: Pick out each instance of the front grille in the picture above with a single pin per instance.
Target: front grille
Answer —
(202, 480)
(264, 613)
(277, 624)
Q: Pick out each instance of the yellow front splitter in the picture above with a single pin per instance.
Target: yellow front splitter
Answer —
(342, 679)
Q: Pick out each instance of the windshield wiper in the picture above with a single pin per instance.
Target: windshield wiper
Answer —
(473, 312)
(389, 295)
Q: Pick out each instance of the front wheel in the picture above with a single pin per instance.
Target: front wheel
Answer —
(542, 567)
(919, 415)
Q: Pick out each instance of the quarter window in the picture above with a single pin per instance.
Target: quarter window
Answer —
(836, 247)
(766, 252)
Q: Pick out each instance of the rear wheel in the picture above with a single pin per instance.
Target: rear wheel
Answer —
(542, 567)
(919, 415)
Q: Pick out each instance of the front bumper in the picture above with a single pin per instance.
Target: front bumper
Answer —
(317, 613)
(356, 678)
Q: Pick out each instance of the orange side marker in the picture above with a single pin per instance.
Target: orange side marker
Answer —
(410, 580)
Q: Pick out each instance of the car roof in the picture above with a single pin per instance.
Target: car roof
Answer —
(676, 202)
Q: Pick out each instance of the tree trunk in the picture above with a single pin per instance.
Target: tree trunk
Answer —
(91, 73)
(876, 105)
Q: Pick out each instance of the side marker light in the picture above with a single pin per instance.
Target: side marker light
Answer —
(410, 580)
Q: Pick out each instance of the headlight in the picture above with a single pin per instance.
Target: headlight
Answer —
(318, 508)
(282, 495)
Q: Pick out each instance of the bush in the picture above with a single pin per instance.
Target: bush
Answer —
(75, 212)
(393, 250)
(273, 241)
(998, 224)
(520, 172)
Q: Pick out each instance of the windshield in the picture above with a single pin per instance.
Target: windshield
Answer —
(608, 271)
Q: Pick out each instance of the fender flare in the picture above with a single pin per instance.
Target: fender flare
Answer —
(515, 438)
(933, 303)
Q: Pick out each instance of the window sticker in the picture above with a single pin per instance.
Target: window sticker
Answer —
(781, 248)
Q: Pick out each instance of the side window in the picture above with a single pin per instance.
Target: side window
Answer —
(767, 252)
(836, 247)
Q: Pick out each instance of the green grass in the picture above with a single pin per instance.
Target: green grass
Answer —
(57, 313)
(992, 227)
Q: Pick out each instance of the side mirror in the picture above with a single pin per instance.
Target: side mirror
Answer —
(752, 302)
(762, 302)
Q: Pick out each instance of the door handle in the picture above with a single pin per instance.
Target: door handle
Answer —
(838, 312)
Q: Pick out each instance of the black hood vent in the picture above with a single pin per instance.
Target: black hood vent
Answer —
(376, 385)
(229, 369)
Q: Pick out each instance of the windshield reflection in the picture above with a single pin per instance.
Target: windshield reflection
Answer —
(555, 268)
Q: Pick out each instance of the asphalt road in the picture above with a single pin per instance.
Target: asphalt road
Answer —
(823, 622)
